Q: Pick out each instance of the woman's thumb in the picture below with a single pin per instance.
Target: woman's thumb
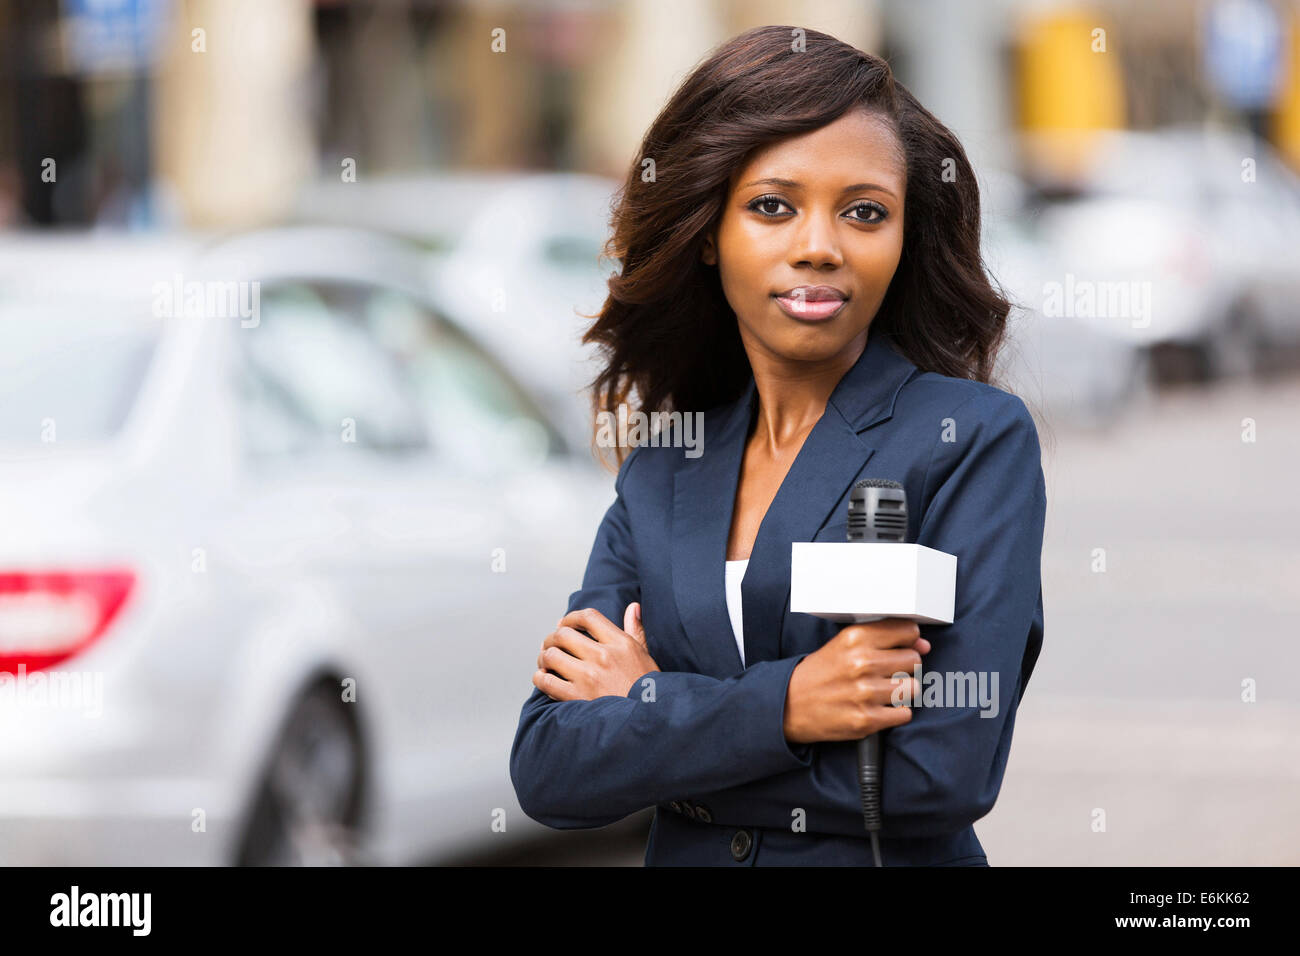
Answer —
(632, 622)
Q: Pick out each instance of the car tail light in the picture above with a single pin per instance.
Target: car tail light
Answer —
(48, 616)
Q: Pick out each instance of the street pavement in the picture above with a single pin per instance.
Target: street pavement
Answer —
(1135, 708)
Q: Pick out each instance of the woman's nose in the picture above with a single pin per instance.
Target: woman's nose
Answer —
(815, 242)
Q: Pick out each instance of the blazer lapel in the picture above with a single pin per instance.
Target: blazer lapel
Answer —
(704, 496)
(832, 458)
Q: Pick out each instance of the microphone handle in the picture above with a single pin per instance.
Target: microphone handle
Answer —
(869, 780)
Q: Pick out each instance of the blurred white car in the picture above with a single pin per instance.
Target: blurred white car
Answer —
(1062, 366)
(515, 258)
(273, 579)
(1202, 224)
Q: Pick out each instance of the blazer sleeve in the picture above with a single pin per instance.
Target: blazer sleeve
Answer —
(588, 763)
(943, 769)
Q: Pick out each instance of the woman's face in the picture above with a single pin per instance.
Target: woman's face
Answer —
(820, 209)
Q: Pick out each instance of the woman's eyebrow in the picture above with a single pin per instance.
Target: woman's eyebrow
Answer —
(792, 184)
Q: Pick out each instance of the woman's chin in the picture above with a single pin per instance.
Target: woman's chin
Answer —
(812, 344)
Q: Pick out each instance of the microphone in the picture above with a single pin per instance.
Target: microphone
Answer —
(877, 513)
(849, 583)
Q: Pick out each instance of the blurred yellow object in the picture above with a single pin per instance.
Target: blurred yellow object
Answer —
(1286, 121)
(1070, 84)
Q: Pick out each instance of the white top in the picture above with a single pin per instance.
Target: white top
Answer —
(735, 574)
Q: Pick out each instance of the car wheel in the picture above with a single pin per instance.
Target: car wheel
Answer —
(1177, 363)
(307, 808)
(1237, 347)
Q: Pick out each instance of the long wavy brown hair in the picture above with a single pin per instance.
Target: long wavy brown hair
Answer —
(666, 331)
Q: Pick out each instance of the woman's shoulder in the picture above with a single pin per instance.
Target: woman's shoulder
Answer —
(929, 396)
(675, 440)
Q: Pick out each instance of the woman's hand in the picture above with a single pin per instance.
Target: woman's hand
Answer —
(843, 690)
(605, 664)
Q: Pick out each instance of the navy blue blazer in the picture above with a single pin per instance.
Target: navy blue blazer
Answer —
(704, 743)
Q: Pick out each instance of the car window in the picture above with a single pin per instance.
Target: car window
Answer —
(71, 370)
(473, 408)
(313, 381)
(572, 253)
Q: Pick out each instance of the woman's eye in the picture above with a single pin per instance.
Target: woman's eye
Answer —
(876, 213)
(763, 201)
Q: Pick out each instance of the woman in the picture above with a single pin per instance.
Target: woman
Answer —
(803, 266)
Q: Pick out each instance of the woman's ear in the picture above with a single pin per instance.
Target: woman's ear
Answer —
(710, 254)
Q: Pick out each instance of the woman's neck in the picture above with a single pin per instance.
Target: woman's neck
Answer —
(792, 396)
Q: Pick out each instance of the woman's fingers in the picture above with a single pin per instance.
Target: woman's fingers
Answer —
(553, 687)
(575, 642)
(887, 663)
(562, 663)
(897, 632)
(596, 624)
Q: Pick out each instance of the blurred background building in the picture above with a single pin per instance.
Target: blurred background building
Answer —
(200, 112)
(420, 190)
(211, 112)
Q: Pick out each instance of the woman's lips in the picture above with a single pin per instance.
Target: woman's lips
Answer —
(809, 310)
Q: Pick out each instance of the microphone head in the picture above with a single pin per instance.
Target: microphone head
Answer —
(877, 511)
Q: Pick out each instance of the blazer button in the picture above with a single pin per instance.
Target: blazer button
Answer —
(675, 806)
(688, 809)
(702, 813)
(740, 844)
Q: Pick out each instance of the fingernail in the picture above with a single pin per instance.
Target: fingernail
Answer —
(638, 612)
